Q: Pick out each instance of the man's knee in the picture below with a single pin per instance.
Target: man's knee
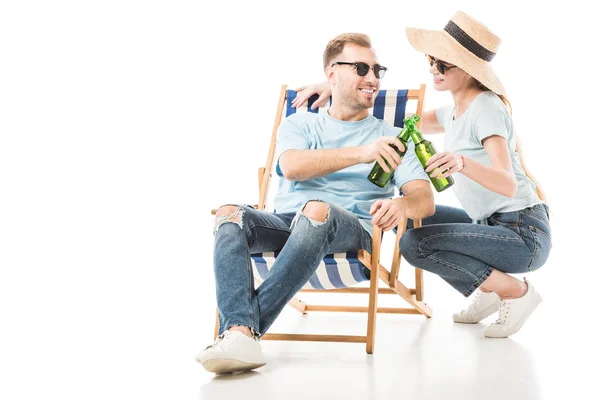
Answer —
(225, 214)
(316, 210)
(228, 211)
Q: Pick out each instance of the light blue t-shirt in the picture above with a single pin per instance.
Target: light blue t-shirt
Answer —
(348, 188)
(486, 116)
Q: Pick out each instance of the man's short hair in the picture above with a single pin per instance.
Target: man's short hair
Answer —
(335, 47)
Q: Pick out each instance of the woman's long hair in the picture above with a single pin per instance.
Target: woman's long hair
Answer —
(518, 149)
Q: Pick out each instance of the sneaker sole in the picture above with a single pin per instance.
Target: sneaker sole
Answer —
(484, 314)
(516, 327)
(223, 365)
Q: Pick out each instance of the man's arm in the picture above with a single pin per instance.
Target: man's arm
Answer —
(302, 165)
(418, 199)
(416, 203)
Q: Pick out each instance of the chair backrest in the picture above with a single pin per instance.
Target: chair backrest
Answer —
(390, 106)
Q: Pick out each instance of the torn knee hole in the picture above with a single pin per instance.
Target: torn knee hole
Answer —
(226, 214)
(226, 211)
(316, 210)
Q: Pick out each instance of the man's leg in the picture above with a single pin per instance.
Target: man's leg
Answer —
(239, 230)
(317, 230)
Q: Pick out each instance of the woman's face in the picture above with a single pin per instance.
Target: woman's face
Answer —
(446, 76)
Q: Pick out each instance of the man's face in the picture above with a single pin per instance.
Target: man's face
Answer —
(354, 91)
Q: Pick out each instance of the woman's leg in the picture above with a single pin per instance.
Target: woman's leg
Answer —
(444, 215)
(469, 256)
(504, 285)
(465, 254)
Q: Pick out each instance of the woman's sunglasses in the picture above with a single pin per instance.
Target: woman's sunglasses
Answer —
(439, 65)
(362, 69)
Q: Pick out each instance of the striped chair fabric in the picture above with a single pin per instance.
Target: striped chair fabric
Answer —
(390, 106)
(338, 270)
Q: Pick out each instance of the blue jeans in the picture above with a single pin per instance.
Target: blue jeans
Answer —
(303, 243)
(464, 254)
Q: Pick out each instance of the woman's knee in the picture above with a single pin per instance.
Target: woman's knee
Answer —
(411, 245)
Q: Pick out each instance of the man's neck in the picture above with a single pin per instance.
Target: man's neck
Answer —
(345, 114)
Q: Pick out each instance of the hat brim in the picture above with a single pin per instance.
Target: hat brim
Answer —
(440, 44)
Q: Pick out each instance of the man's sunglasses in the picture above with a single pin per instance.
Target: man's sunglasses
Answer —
(362, 69)
(439, 65)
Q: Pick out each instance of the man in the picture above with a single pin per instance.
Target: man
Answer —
(325, 204)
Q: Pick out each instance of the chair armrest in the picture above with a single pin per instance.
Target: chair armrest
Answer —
(397, 254)
(375, 252)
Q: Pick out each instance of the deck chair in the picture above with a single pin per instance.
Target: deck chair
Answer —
(337, 273)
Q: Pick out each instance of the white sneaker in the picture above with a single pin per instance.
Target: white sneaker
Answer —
(231, 352)
(483, 305)
(513, 314)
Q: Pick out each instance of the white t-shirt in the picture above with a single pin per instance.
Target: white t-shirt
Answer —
(486, 116)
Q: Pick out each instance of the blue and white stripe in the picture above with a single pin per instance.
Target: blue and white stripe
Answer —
(390, 106)
(336, 271)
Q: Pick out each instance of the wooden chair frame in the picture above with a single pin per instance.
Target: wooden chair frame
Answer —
(413, 296)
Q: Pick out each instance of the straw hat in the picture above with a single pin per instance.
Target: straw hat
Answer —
(464, 42)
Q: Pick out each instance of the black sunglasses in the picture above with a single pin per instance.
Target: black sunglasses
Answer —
(439, 65)
(362, 69)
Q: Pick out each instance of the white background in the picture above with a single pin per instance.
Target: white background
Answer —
(122, 123)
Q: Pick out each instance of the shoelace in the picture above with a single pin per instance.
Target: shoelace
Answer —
(223, 340)
(471, 307)
(503, 313)
(217, 342)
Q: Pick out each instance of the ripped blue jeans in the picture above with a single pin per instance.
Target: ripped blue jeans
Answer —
(303, 243)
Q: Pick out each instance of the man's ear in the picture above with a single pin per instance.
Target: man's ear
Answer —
(330, 75)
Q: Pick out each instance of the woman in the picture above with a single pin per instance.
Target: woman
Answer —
(511, 233)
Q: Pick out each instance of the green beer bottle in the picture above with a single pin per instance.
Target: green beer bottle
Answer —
(377, 175)
(424, 150)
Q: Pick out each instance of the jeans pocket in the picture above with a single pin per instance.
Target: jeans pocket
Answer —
(540, 216)
(543, 244)
(508, 220)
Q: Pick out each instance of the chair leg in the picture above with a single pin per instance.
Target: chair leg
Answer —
(418, 272)
(373, 290)
(297, 304)
(216, 326)
(419, 284)
(372, 315)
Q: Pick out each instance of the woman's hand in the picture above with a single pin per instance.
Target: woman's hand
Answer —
(446, 163)
(304, 93)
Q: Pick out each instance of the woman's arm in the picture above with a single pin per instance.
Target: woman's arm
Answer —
(499, 177)
(304, 92)
(429, 121)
